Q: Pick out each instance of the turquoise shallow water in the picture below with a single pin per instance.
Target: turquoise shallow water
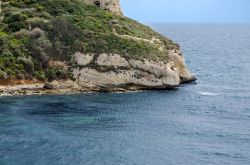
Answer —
(204, 123)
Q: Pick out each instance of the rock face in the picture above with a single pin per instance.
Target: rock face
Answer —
(110, 5)
(112, 72)
(107, 71)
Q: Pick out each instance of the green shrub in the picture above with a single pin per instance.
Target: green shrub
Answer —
(62, 27)
(16, 18)
(27, 63)
(40, 75)
(16, 26)
(3, 75)
(39, 8)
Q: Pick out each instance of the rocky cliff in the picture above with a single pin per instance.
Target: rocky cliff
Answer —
(88, 44)
(114, 72)
(110, 5)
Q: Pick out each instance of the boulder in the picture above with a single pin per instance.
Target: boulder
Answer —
(48, 86)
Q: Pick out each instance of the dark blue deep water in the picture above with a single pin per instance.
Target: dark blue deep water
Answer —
(207, 123)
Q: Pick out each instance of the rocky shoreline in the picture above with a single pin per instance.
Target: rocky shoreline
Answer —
(67, 87)
(107, 73)
(55, 87)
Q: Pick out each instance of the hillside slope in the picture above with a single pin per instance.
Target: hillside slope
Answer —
(48, 40)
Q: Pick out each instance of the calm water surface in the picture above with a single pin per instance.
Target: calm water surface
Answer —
(204, 123)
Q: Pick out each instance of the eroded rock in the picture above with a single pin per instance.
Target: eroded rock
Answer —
(134, 73)
(83, 59)
(111, 60)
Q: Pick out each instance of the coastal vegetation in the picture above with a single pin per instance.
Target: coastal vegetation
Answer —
(35, 33)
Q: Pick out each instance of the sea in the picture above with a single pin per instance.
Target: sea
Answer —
(202, 123)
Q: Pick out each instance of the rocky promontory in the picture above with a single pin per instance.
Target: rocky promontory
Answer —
(65, 46)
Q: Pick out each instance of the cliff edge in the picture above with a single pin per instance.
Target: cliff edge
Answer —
(83, 45)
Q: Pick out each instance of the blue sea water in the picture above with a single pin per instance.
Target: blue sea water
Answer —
(206, 123)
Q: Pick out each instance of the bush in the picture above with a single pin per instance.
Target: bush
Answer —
(51, 74)
(36, 33)
(40, 75)
(27, 63)
(20, 76)
(39, 8)
(16, 18)
(16, 26)
(3, 75)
